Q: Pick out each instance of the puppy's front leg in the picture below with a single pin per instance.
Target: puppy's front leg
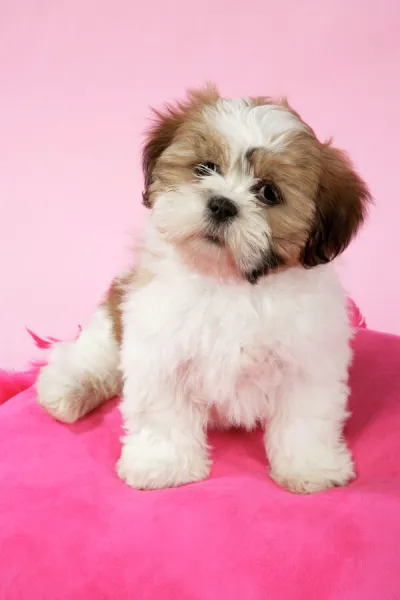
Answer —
(165, 443)
(304, 440)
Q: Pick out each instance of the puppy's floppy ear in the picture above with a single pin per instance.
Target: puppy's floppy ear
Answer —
(166, 124)
(159, 137)
(341, 206)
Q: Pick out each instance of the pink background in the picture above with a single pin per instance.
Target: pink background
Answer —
(76, 79)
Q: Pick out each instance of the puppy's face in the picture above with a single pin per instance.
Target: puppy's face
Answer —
(247, 184)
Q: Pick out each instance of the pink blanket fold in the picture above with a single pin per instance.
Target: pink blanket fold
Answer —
(69, 529)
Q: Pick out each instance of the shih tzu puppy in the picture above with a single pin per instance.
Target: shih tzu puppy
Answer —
(231, 314)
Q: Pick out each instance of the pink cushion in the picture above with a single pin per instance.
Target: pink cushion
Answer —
(69, 529)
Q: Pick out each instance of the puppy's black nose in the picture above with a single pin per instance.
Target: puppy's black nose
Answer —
(222, 209)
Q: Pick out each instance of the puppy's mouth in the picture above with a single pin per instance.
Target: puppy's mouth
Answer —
(262, 262)
(215, 239)
(215, 233)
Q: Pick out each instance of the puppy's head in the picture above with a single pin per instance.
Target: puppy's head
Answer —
(246, 181)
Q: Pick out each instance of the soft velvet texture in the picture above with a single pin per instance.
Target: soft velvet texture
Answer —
(69, 529)
(12, 383)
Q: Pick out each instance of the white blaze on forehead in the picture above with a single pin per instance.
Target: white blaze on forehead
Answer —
(245, 126)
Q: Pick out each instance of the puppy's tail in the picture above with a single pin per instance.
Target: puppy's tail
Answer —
(81, 375)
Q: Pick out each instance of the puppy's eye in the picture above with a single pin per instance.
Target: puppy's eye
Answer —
(206, 168)
(268, 194)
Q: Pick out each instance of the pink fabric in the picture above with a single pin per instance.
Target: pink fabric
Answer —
(69, 529)
(12, 383)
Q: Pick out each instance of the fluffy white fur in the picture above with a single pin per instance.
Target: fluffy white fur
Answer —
(276, 354)
(80, 375)
(244, 126)
(204, 347)
(196, 348)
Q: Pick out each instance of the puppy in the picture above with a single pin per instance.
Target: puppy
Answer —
(231, 314)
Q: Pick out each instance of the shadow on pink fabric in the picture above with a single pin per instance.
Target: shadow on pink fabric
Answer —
(69, 529)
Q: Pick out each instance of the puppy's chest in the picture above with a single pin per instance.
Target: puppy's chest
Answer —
(236, 333)
(226, 340)
(217, 331)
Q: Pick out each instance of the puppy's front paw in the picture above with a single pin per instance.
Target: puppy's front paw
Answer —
(160, 466)
(336, 469)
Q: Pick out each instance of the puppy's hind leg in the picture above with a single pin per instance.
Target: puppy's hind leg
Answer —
(81, 375)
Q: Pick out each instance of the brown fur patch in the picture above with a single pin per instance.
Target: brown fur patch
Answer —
(116, 294)
(266, 100)
(340, 202)
(295, 173)
(194, 143)
(165, 129)
(324, 200)
(341, 206)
